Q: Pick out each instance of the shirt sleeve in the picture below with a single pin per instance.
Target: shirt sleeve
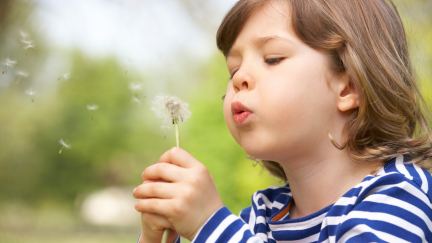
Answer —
(394, 210)
(223, 226)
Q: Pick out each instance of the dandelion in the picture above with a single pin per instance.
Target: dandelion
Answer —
(172, 111)
(63, 145)
(31, 93)
(92, 107)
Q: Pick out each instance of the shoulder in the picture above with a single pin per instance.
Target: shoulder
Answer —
(404, 169)
(397, 178)
(394, 205)
(266, 203)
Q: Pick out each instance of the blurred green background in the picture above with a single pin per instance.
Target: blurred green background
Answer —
(76, 129)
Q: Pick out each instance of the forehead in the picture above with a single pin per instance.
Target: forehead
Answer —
(271, 19)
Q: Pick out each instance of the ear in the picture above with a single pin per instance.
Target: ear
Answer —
(347, 94)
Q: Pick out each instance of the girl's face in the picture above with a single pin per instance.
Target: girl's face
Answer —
(279, 102)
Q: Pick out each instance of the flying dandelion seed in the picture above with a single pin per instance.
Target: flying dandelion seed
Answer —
(63, 145)
(172, 111)
(92, 107)
(136, 99)
(23, 34)
(28, 44)
(135, 86)
(22, 74)
(65, 76)
(31, 93)
(9, 63)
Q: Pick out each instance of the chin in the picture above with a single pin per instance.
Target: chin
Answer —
(255, 151)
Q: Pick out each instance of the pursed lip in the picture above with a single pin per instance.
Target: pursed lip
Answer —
(240, 112)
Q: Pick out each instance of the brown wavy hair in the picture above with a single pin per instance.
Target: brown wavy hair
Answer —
(365, 39)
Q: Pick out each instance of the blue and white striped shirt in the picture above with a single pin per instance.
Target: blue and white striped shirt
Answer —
(392, 206)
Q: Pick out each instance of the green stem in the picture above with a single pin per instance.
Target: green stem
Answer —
(177, 135)
(167, 231)
(165, 236)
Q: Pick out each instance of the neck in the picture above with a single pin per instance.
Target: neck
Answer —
(318, 181)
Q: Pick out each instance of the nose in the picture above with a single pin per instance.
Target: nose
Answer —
(242, 80)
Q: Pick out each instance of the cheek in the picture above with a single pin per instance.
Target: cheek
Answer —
(227, 110)
(228, 115)
(229, 93)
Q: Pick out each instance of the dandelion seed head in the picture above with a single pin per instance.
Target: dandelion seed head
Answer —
(171, 109)
(92, 107)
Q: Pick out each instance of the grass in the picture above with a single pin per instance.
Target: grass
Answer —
(28, 236)
(53, 223)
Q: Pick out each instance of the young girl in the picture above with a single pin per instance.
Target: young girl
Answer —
(322, 93)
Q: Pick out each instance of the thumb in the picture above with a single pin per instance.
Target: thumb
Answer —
(179, 157)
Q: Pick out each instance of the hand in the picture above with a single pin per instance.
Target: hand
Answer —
(181, 190)
(153, 227)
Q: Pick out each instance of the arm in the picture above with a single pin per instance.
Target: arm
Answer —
(224, 226)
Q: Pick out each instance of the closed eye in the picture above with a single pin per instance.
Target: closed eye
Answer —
(273, 60)
(232, 74)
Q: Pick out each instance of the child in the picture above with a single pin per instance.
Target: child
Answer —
(322, 93)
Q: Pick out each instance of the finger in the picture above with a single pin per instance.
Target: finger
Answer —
(154, 206)
(162, 171)
(155, 222)
(179, 157)
(161, 190)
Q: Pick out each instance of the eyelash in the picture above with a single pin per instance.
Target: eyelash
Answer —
(274, 60)
(268, 61)
(232, 74)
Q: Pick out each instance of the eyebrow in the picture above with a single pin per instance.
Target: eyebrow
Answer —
(260, 41)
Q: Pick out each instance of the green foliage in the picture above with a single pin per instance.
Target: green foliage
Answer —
(95, 136)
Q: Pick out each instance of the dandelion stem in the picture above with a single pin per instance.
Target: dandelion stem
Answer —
(165, 236)
(177, 135)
